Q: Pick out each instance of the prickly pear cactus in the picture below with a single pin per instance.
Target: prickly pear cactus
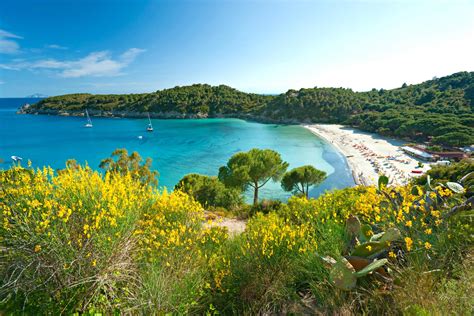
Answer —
(376, 264)
(368, 249)
(455, 187)
(343, 275)
(353, 225)
(390, 235)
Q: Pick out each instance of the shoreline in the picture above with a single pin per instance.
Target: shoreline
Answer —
(368, 155)
(350, 163)
(27, 110)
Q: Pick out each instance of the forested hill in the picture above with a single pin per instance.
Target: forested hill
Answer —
(197, 98)
(441, 109)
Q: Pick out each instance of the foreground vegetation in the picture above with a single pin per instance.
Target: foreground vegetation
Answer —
(81, 241)
(440, 110)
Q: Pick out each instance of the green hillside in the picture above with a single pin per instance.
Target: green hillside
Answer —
(440, 109)
(197, 98)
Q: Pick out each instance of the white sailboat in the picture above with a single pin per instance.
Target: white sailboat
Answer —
(16, 158)
(89, 122)
(149, 127)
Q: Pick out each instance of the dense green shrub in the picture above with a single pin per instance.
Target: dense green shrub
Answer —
(209, 191)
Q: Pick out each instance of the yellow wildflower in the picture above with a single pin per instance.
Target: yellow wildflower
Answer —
(408, 243)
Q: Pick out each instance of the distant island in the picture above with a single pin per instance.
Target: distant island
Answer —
(36, 96)
(439, 110)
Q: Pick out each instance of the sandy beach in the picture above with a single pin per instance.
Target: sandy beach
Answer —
(369, 155)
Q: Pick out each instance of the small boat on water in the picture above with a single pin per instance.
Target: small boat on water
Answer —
(16, 158)
(89, 121)
(150, 126)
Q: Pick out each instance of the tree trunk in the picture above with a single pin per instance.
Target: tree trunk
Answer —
(304, 190)
(255, 195)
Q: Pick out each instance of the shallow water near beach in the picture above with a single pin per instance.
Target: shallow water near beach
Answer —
(177, 147)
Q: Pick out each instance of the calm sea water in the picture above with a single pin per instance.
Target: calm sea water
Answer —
(177, 147)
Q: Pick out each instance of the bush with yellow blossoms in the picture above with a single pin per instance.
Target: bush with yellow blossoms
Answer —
(418, 212)
(261, 258)
(62, 233)
(79, 240)
(271, 237)
(82, 241)
(175, 248)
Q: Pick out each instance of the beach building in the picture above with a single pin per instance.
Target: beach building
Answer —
(443, 162)
(440, 155)
(450, 155)
(468, 149)
(417, 153)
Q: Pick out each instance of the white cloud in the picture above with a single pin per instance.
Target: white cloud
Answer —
(8, 67)
(56, 46)
(8, 45)
(96, 64)
(49, 64)
(131, 54)
(6, 34)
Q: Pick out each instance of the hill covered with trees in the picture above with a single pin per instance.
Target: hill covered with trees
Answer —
(198, 98)
(440, 109)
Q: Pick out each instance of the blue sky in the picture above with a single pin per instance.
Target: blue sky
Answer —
(58, 47)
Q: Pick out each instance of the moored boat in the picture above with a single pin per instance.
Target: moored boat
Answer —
(150, 126)
(89, 121)
(16, 158)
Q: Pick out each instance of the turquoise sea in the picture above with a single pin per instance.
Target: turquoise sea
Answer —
(177, 147)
